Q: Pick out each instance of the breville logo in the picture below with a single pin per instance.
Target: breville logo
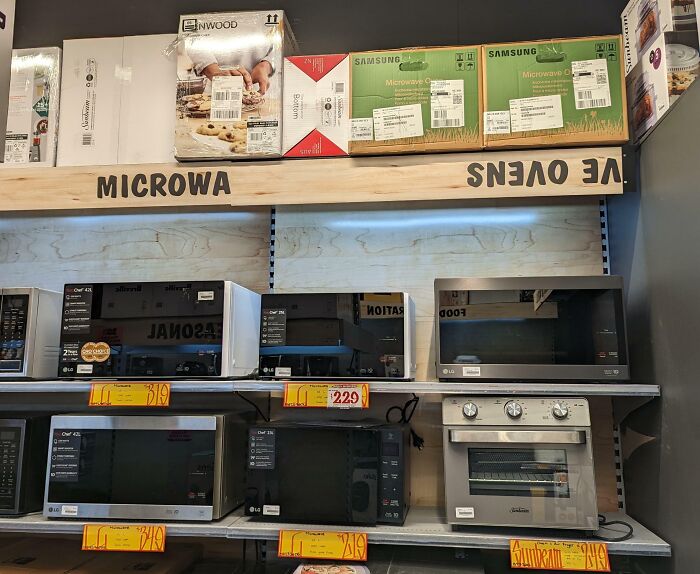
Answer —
(519, 510)
(158, 184)
(512, 52)
(177, 287)
(128, 289)
(194, 25)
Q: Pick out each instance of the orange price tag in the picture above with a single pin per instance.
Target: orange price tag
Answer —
(327, 395)
(551, 555)
(129, 395)
(124, 538)
(324, 545)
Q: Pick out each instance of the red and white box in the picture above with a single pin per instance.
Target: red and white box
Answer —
(316, 106)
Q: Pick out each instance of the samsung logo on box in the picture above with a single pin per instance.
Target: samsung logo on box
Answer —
(512, 52)
(194, 25)
(377, 60)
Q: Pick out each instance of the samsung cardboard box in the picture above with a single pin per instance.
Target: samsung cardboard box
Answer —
(32, 116)
(564, 92)
(415, 100)
(7, 26)
(316, 106)
(116, 101)
(230, 70)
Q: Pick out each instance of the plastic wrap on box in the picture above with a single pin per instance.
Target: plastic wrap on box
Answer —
(32, 119)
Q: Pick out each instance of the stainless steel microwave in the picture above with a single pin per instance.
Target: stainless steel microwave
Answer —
(169, 467)
(531, 328)
(183, 329)
(30, 321)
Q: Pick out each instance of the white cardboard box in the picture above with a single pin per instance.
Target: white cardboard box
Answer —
(88, 127)
(7, 27)
(32, 117)
(147, 118)
(316, 105)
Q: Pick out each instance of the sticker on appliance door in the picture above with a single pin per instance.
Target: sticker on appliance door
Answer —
(464, 511)
(398, 122)
(447, 103)
(283, 371)
(591, 84)
(84, 369)
(471, 371)
(205, 295)
(497, 122)
(271, 510)
(361, 129)
(539, 113)
(69, 510)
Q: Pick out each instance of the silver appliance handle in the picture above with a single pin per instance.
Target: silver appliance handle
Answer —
(519, 436)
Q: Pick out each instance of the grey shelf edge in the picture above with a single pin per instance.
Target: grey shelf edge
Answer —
(424, 527)
(419, 387)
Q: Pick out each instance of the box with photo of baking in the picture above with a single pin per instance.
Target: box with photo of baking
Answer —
(229, 84)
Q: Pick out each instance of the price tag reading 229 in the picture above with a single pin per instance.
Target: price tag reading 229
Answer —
(327, 395)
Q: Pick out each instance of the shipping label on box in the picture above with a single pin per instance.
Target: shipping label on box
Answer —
(417, 100)
(229, 85)
(32, 118)
(7, 26)
(558, 92)
(316, 105)
(645, 21)
(669, 66)
(92, 77)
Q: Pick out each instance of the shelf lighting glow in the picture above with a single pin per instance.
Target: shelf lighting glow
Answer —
(487, 218)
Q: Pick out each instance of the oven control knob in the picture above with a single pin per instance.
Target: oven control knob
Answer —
(560, 411)
(514, 410)
(470, 410)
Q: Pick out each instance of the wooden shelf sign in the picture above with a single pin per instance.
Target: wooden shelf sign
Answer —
(482, 175)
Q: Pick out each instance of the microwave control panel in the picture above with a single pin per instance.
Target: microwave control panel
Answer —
(515, 411)
(9, 466)
(392, 476)
(13, 329)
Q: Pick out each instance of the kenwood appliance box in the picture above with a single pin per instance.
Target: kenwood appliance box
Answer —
(519, 461)
(195, 329)
(168, 467)
(316, 106)
(352, 473)
(229, 84)
(531, 328)
(416, 100)
(24, 443)
(555, 92)
(337, 335)
(30, 324)
(32, 118)
(7, 27)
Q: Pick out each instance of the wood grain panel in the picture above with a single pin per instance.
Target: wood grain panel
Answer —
(404, 248)
(341, 180)
(50, 251)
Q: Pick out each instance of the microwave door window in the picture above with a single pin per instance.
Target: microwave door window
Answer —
(14, 310)
(173, 467)
(523, 472)
(533, 327)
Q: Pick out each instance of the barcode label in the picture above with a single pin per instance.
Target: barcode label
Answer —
(255, 137)
(591, 85)
(440, 120)
(585, 100)
(340, 87)
(88, 140)
(226, 98)
(8, 147)
(447, 103)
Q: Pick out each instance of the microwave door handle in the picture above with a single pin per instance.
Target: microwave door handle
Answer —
(519, 436)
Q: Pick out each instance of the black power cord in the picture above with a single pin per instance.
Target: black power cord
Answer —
(405, 416)
(604, 523)
(256, 407)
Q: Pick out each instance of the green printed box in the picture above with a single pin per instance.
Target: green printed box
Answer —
(416, 100)
(554, 93)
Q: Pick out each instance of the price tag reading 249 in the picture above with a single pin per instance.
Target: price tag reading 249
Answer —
(129, 395)
(327, 395)
(323, 545)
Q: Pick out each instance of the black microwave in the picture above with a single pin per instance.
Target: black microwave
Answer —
(185, 329)
(337, 335)
(531, 328)
(24, 441)
(328, 474)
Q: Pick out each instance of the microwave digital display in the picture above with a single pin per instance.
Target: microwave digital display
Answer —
(335, 335)
(142, 329)
(14, 311)
(549, 328)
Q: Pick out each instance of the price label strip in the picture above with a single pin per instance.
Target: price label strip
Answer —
(550, 555)
(323, 545)
(326, 395)
(124, 538)
(129, 395)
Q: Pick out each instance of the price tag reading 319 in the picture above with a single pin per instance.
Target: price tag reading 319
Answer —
(129, 395)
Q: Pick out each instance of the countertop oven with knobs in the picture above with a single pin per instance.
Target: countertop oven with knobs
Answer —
(519, 462)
